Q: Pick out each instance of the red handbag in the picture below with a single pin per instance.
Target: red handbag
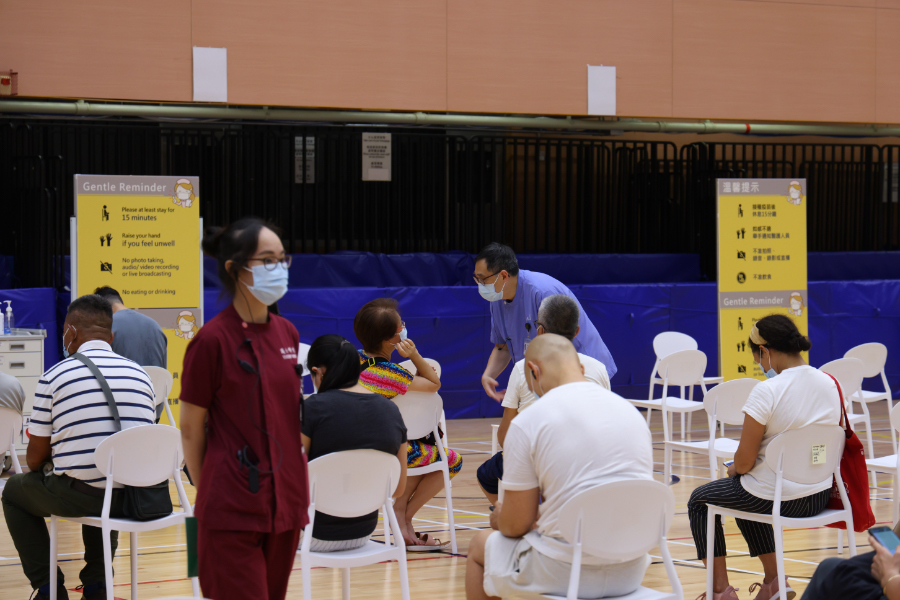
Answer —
(855, 476)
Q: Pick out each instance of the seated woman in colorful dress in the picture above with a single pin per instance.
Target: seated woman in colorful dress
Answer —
(380, 330)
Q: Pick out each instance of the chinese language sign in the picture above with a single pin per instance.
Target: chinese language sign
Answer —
(762, 263)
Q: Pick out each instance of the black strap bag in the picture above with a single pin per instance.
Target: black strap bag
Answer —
(140, 503)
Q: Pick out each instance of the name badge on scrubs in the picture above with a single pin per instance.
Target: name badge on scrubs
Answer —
(818, 454)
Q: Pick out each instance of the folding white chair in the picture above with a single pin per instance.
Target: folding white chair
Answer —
(683, 368)
(351, 484)
(723, 404)
(162, 384)
(138, 456)
(495, 439)
(891, 465)
(604, 534)
(874, 356)
(421, 414)
(789, 455)
(849, 373)
(10, 428)
(665, 344)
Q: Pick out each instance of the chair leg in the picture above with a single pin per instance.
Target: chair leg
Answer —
(133, 542)
(682, 427)
(15, 457)
(895, 503)
(306, 569)
(690, 418)
(722, 427)
(840, 543)
(710, 551)
(779, 559)
(54, 533)
(195, 587)
(667, 465)
(649, 410)
(345, 584)
(404, 578)
(107, 563)
(450, 519)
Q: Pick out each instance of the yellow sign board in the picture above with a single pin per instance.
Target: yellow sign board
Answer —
(762, 263)
(141, 236)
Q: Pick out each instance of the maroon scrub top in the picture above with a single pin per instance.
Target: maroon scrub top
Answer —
(213, 378)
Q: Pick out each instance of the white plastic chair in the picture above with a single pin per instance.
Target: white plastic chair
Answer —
(849, 373)
(723, 404)
(604, 534)
(409, 366)
(10, 428)
(138, 456)
(891, 465)
(421, 414)
(665, 344)
(683, 368)
(351, 484)
(495, 439)
(874, 356)
(162, 384)
(789, 456)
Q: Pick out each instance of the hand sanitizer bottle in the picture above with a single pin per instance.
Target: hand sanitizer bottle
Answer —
(9, 320)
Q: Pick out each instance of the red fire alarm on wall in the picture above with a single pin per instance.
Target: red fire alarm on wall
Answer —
(9, 83)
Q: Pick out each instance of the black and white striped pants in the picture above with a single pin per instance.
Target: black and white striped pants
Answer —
(729, 493)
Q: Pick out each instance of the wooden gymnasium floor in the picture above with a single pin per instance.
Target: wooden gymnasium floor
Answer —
(162, 560)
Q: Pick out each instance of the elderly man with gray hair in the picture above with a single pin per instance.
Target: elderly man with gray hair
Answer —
(557, 314)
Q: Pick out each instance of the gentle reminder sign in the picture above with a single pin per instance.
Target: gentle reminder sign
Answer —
(762, 263)
(818, 454)
(141, 236)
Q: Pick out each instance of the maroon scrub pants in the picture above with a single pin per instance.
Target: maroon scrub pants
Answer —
(239, 565)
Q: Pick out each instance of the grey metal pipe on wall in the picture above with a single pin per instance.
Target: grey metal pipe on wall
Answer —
(413, 119)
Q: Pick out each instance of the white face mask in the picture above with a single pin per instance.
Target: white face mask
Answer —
(771, 372)
(268, 286)
(65, 347)
(183, 194)
(795, 305)
(489, 293)
(185, 326)
(795, 193)
(403, 334)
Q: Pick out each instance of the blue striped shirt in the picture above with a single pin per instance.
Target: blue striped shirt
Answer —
(70, 408)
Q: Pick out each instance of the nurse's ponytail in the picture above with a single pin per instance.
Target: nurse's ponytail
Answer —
(340, 360)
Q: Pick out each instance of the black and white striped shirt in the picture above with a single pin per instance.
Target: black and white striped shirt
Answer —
(70, 408)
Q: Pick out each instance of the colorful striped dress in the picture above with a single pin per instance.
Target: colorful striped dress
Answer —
(390, 380)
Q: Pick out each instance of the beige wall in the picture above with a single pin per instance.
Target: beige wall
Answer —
(797, 60)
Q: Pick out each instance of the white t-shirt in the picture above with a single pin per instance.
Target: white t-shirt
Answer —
(518, 395)
(577, 437)
(796, 398)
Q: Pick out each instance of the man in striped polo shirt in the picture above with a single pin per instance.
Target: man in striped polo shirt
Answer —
(70, 419)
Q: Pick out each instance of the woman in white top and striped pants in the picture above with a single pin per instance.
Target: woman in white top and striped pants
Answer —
(798, 397)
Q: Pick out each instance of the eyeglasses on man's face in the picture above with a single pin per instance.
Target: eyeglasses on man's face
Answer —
(483, 281)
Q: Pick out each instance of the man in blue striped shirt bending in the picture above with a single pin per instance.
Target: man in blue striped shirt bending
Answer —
(70, 419)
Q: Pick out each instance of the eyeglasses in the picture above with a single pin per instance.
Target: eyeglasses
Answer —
(484, 281)
(402, 325)
(270, 262)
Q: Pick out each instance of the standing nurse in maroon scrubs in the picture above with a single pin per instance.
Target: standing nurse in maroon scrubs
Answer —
(240, 423)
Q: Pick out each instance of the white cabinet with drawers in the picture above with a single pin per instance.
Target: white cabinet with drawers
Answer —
(22, 355)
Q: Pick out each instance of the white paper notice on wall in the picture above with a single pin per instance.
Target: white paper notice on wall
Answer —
(601, 91)
(376, 156)
(210, 74)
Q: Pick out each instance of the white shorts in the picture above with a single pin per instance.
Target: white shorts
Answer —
(513, 568)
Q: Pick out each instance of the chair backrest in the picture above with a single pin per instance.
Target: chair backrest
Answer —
(895, 417)
(10, 426)
(352, 483)
(605, 533)
(848, 372)
(409, 366)
(726, 400)
(873, 355)
(421, 412)
(302, 356)
(162, 383)
(140, 456)
(668, 342)
(797, 448)
(684, 367)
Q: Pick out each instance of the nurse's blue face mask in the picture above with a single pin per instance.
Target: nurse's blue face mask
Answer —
(487, 290)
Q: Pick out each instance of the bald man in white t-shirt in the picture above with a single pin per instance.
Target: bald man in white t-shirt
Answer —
(560, 315)
(547, 458)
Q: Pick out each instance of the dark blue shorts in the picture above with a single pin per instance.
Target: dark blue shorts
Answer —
(490, 473)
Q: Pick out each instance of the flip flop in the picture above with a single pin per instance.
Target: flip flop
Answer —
(439, 547)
